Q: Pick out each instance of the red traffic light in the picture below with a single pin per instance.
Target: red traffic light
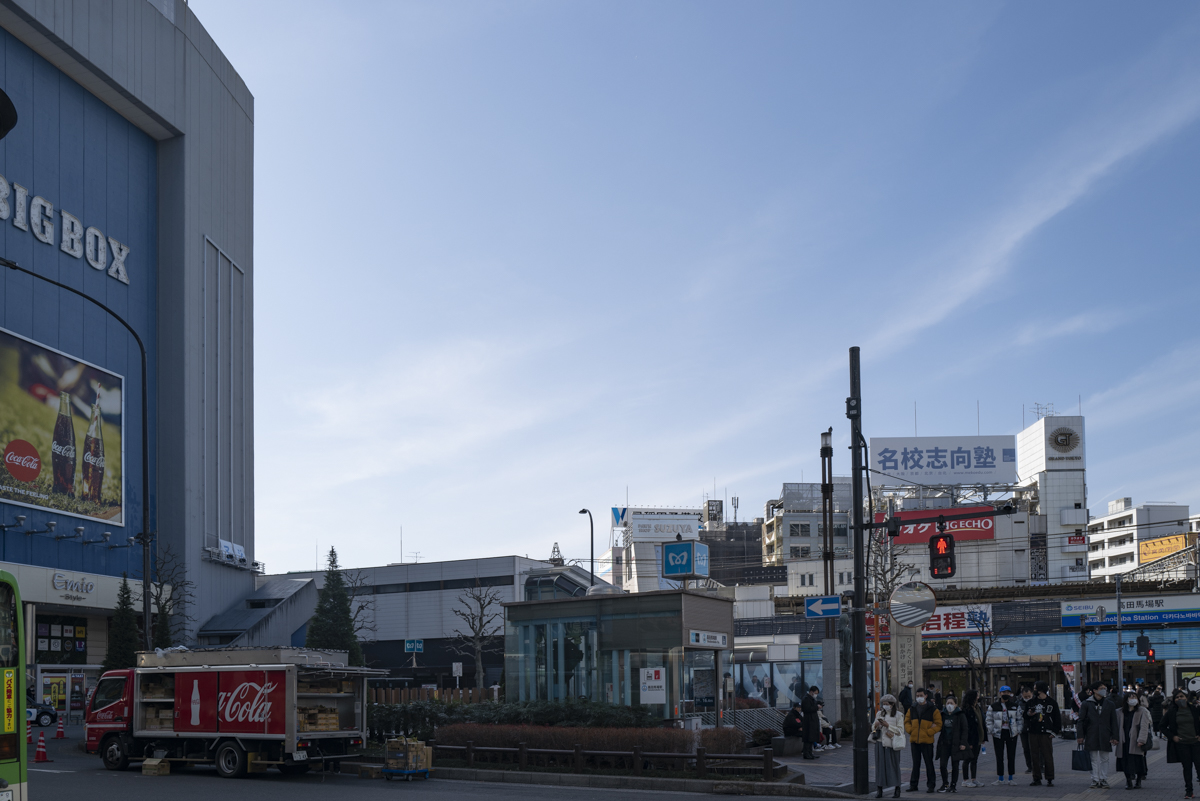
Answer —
(1150, 655)
(941, 556)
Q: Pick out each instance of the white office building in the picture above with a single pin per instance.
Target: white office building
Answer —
(1130, 536)
(633, 560)
(1051, 460)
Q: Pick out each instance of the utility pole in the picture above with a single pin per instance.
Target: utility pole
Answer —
(858, 675)
(827, 519)
(1120, 646)
(1082, 655)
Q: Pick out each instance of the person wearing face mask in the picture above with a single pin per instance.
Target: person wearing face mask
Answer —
(1133, 732)
(1042, 721)
(1157, 705)
(887, 732)
(1181, 725)
(945, 746)
(969, 733)
(1004, 725)
(1096, 731)
(922, 722)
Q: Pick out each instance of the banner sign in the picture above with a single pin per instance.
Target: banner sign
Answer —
(1149, 550)
(654, 685)
(943, 460)
(61, 432)
(981, 528)
(1134, 611)
(947, 622)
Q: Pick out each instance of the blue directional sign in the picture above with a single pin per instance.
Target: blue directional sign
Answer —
(685, 560)
(414, 646)
(823, 606)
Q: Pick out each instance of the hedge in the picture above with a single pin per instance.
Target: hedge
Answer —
(722, 741)
(669, 741)
(421, 718)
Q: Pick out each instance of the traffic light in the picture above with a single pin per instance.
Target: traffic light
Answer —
(941, 556)
(1143, 645)
(1150, 655)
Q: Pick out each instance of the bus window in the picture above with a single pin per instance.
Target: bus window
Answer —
(108, 692)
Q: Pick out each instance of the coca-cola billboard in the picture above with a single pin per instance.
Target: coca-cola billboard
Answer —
(252, 701)
(61, 432)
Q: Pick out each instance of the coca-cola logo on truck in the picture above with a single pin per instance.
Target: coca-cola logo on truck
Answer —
(22, 460)
(248, 703)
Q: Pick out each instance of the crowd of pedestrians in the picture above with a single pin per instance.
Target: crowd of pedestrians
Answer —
(947, 736)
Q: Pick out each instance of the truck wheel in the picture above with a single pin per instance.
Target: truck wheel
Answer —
(293, 768)
(113, 752)
(231, 761)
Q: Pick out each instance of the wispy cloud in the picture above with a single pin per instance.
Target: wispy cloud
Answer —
(1155, 100)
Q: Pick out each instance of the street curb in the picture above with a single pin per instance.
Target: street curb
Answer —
(637, 783)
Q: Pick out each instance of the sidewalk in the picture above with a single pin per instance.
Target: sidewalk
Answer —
(834, 770)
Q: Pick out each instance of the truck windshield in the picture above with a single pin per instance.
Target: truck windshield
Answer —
(8, 627)
(108, 691)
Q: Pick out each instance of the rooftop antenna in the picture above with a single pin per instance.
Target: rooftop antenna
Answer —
(977, 426)
(416, 556)
(914, 418)
(1044, 410)
(401, 544)
(556, 557)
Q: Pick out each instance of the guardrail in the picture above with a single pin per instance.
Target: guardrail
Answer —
(636, 760)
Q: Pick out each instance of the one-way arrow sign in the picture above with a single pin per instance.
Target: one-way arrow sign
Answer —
(823, 606)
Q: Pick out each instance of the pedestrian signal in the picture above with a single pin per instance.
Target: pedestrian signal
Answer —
(941, 556)
(1150, 655)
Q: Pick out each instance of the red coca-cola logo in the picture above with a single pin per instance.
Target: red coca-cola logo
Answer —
(22, 460)
(246, 704)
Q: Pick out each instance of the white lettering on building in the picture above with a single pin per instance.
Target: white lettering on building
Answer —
(37, 216)
(61, 582)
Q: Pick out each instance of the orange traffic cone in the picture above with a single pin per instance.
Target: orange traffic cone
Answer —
(40, 756)
(29, 732)
(60, 734)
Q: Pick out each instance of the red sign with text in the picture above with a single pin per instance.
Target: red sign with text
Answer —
(980, 528)
(251, 701)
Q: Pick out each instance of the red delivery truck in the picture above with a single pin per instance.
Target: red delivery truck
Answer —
(241, 709)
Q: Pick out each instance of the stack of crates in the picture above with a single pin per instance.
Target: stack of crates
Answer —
(407, 754)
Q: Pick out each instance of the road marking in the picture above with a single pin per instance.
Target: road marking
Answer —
(45, 770)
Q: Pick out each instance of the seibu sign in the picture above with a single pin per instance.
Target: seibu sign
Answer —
(36, 216)
(980, 528)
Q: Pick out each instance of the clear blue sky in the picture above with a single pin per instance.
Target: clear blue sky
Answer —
(512, 258)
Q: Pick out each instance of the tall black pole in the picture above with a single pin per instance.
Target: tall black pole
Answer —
(858, 675)
(592, 532)
(144, 536)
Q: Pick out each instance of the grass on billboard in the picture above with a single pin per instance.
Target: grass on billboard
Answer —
(23, 416)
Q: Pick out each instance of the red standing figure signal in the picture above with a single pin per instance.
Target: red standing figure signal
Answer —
(941, 556)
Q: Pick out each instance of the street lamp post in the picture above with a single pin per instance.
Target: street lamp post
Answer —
(592, 530)
(144, 537)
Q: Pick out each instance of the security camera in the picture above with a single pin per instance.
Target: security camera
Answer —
(131, 541)
(20, 520)
(51, 524)
(79, 531)
(107, 536)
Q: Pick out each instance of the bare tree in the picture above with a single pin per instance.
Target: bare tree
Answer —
(171, 595)
(977, 650)
(481, 616)
(362, 606)
(887, 571)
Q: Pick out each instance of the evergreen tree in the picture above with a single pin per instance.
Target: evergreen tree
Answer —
(122, 632)
(332, 625)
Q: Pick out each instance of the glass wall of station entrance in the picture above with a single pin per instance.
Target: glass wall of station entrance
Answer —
(597, 646)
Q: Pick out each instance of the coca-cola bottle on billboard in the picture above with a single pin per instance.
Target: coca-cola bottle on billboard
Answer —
(93, 458)
(62, 449)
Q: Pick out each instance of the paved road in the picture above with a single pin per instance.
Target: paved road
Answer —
(74, 774)
(834, 769)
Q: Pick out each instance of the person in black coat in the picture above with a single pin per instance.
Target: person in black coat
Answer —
(812, 721)
(1181, 725)
(793, 722)
(906, 698)
(1155, 704)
